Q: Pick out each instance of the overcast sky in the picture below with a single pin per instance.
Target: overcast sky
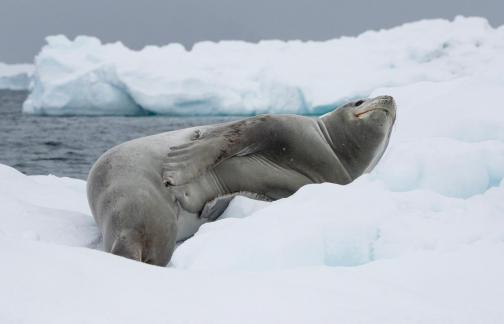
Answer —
(25, 23)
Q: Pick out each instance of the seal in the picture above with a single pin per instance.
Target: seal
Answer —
(151, 192)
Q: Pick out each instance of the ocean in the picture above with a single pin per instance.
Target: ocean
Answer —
(68, 146)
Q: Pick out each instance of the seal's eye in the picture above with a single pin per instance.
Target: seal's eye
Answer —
(358, 103)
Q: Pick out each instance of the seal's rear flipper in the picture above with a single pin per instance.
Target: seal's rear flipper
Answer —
(214, 208)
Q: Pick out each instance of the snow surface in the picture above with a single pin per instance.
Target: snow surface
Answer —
(84, 76)
(418, 240)
(15, 76)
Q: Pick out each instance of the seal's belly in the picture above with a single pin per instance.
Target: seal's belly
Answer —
(258, 174)
(188, 224)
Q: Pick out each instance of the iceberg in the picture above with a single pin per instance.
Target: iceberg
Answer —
(15, 76)
(86, 77)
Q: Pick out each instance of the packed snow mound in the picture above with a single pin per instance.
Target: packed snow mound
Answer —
(87, 77)
(344, 226)
(15, 76)
(378, 255)
(43, 283)
(45, 208)
(448, 137)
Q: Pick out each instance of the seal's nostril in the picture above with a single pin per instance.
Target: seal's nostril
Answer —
(386, 98)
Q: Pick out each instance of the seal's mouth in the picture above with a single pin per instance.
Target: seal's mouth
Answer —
(382, 103)
(364, 113)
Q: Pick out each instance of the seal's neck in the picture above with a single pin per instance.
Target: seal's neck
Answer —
(328, 136)
(358, 146)
(344, 146)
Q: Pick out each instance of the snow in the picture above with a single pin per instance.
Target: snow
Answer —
(344, 226)
(84, 76)
(45, 209)
(418, 240)
(15, 76)
(356, 253)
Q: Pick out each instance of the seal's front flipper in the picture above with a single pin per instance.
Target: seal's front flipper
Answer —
(128, 244)
(214, 145)
(214, 208)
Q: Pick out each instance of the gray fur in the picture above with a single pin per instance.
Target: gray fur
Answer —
(149, 193)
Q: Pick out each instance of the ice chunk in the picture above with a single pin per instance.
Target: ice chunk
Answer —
(15, 76)
(447, 166)
(84, 76)
(466, 109)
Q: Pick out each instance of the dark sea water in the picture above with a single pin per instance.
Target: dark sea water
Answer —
(68, 146)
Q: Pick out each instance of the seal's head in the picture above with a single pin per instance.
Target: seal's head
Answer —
(360, 132)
